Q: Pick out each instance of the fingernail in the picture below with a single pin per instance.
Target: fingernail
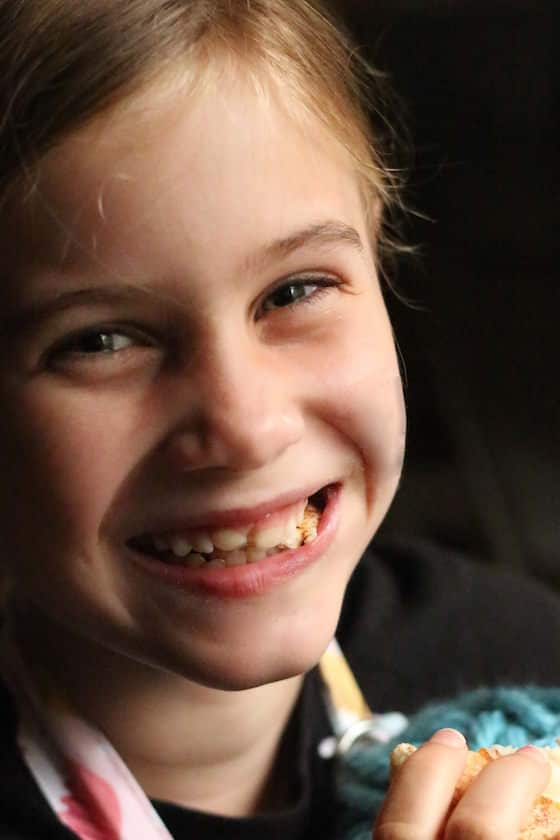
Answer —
(534, 752)
(449, 737)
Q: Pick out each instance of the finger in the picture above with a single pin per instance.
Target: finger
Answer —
(497, 803)
(421, 792)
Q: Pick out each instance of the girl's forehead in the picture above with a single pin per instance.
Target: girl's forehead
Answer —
(184, 188)
(181, 129)
(229, 162)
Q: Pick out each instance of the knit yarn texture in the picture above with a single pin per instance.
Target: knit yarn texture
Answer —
(512, 716)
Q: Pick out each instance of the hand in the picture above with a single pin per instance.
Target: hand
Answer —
(495, 806)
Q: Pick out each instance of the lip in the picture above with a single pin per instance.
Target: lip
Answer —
(253, 579)
(234, 517)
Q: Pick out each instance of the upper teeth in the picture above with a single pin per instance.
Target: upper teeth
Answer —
(299, 524)
(180, 547)
(228, 540)
(202, 543)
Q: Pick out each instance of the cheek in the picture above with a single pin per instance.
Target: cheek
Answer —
(369, 409)
(369, 413)
(358, 391)
(63, 458)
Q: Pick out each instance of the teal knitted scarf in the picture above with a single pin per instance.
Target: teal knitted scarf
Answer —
(506, 715)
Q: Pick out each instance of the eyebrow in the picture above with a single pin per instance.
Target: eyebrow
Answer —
(23, 319)
(321, 233)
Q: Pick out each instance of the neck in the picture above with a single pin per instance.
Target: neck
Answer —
(217, 751)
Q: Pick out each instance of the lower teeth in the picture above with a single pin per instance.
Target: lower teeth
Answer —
(226, 558)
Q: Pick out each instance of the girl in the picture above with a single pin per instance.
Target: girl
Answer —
(202, 424)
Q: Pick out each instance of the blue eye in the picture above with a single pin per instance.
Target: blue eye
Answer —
(299, 291)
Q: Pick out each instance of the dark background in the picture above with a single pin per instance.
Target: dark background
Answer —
(481, 86)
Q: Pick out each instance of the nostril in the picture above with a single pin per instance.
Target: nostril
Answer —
(243, 444)
(185, 449)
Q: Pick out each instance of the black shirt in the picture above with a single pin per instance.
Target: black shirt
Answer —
(417, 624)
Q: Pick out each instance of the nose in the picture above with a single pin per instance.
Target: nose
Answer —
(239, 411)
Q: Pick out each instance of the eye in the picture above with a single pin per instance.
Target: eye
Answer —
(96, 343)
(300, 290)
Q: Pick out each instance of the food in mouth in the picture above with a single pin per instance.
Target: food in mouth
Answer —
(544, 818)
(294, 526)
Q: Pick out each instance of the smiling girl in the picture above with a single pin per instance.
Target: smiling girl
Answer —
(202, 417)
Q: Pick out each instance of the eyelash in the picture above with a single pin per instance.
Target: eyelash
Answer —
(67, 347)
(323, 284)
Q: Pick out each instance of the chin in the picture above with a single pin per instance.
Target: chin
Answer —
(247, 666)
(243, 676)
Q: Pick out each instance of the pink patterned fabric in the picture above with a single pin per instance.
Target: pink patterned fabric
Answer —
(104, 819)
(85, 781)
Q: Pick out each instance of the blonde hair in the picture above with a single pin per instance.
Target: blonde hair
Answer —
(64, 62)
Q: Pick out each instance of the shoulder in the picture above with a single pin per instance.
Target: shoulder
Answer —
(420, 621)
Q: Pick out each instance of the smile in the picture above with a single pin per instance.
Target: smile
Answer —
(268, 552)
(289, 528)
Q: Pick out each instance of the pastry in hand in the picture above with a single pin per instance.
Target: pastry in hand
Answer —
(544, 818)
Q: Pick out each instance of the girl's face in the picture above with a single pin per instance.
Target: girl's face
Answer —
(194, 341)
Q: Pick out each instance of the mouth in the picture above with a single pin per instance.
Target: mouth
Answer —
(286, 530)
